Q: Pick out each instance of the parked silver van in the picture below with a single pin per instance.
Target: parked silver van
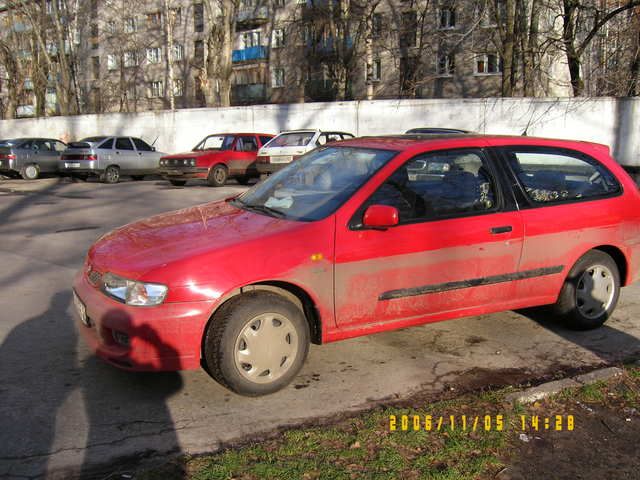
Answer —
(110, 157)
(28, 157)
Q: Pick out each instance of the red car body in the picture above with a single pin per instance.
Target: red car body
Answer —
(350, 281)
(239, 162)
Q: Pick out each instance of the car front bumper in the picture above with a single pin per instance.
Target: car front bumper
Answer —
(165, 337)
(183, 173)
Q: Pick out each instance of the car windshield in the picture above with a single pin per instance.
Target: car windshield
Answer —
(215, 142)
(7, 143)
(293, 139)
(316, 184)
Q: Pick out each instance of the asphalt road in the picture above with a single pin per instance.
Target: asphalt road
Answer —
(63, 412)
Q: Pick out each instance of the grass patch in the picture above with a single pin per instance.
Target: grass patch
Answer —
(365, 447)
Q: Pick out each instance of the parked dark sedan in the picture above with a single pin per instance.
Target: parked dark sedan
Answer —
(28, 157)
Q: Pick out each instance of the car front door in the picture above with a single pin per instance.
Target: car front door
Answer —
(456, 247)
(147, 156)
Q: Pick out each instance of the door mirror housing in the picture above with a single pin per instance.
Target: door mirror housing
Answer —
(380, 217)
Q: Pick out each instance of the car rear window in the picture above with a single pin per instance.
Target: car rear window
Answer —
(293, 139)
(550, 175)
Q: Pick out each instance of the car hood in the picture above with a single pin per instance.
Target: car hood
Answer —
(161, 240)
(195, 154)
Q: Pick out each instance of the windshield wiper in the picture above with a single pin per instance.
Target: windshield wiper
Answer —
(259, 208)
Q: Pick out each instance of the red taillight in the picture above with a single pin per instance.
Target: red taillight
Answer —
(90, 157)
(263, 159)
(9, 156)
(74, 156)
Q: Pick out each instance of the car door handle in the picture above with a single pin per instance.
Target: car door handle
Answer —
(117, 153)
(503, 229)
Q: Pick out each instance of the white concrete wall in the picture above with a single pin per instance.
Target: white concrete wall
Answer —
(614, 122)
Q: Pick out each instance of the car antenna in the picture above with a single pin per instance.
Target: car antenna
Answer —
(154, 142)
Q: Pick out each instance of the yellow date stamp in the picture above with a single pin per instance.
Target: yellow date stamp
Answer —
(480, 423)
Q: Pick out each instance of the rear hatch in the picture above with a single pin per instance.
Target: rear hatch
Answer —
(79, 151)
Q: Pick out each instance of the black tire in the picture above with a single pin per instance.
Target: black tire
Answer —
(224, 334)
(572, 309)
(218, 176)
(137, 178)
(178, 183)
(243, 179)
(111, 174)
(30, 171)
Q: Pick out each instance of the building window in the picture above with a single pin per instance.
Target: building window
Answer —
(130, 25)
(154, 20)
(112, 27)
(489, 15)
(156, 89)
(178, 87)
(376, 25)
(28, 83)
(251, 39)
(154, 55)
(176, 15)
(487, 64)
(198, 17)
(178, 52)
(130, 59)
(277, 38)
(409, 30)
(95, 67)
(446, 65)
(447, 18)
(198, 53)
(277, 78)
(376, 69)
(112, 62)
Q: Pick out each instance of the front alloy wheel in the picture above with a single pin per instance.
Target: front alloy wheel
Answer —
(30, 172)
(256, 343)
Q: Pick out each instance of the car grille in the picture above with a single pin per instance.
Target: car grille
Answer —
(94, 276)
(177, 162)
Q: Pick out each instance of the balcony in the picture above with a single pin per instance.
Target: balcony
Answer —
(250, 17)
(258, 52)
(320, 90)
(249, 94)
(328, 48)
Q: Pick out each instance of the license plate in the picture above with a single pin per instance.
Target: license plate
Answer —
(282, 159)
(81, 309)
(72, 165)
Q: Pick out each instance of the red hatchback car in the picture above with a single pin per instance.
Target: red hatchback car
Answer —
(216, 158)
(359, 237)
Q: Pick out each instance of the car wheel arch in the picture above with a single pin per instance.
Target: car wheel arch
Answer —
(289, 291)
(619, 258)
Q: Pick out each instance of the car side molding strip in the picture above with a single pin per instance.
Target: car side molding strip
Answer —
(474, 282)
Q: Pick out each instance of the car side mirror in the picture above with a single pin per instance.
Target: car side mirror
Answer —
(153, 149)
(380, 217)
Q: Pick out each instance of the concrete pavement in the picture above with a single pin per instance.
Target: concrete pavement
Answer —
(63, 412)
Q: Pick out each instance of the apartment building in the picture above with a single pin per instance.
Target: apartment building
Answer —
(151, 54)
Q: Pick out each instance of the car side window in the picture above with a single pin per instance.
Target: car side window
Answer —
(249, 144)
(264, 140)
(439, 185)
(141, 145)
(322, 139)
(551, 175)
(44, 145)
(107, 144)
(123, 143)
(59, 146)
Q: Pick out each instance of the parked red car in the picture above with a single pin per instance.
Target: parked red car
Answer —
(367, 235)
(216, 158)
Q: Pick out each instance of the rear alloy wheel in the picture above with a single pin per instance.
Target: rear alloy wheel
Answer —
(256, 343)
(590, 292)
(178, 183)
(111, 174)
(30, 172)
(217, 176)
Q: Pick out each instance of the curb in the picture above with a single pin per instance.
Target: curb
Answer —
(533, 394)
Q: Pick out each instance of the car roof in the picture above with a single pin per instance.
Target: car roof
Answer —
(409, 142)
(241, 133)
(312, 130)
(26, 139)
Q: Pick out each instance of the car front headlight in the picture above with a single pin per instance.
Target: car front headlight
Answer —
(133, 293)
